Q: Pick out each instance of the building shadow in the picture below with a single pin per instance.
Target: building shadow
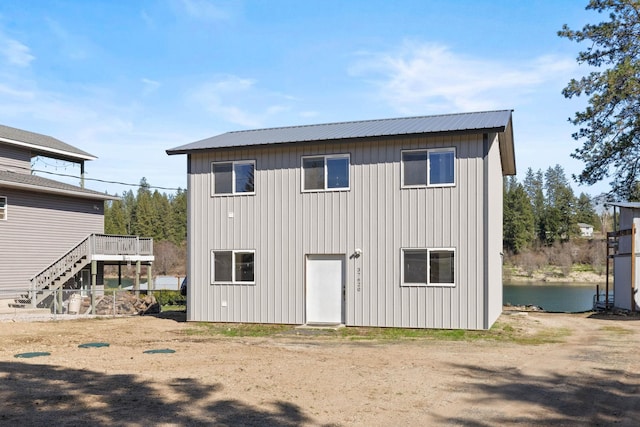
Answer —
(599, 397)
(39, 395)
(622, 316)
(175, 315)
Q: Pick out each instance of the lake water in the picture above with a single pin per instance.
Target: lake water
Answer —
(126, 281)
(558, 297)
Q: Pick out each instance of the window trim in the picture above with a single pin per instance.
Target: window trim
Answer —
(4, 209)
(428, 151)
(325, 157)
(233, 269)
(429, 284)
(233, 178)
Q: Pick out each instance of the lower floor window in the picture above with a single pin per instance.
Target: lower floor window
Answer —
(3, 208)
(233, 267)
(428, 267)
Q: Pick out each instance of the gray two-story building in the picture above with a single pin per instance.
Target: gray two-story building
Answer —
(392, 223)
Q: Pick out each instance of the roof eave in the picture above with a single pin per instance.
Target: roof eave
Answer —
(507, 150)
(59, 191)
(50, 152)
(185, 150)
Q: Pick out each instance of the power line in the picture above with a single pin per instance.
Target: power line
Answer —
(107, 181)
(90, 179)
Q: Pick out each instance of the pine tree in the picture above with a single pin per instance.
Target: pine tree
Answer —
(115, 221)
(143, 216)
(534, 187)
(161, 216)
(585, 213)
(519, 225)
(178, 226)
(609, 125)
(559, 222)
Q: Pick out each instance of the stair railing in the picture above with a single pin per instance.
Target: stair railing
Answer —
(62, 264)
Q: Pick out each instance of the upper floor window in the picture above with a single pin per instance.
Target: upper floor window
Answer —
(325, 173)
(3, 208)
(428, 168)
(237, 177)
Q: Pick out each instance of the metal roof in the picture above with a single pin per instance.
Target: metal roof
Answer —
(489, 121)
(629, 205)
(43, 185)
(42, 144)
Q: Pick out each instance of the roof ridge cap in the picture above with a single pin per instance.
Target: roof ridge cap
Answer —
(367, 121)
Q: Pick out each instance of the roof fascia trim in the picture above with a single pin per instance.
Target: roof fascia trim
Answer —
(499, 129)
(50, 190)
(43, 149)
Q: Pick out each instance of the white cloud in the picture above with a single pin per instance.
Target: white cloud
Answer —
(239, 101)
(14, 93)
(204, 10)
(73, 46)
(427, 77)
(149, 86)
(147, 19)
(126, 141)
(15, 52)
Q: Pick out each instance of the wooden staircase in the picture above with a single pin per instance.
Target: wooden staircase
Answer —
(54, 276)
(95, 246)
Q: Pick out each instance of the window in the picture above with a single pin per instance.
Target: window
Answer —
(233, 267)
(233, 177)
(427, 168)
(428, 267)
(325, 173)
(3, 208)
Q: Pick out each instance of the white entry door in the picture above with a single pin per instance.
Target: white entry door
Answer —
(325, 281)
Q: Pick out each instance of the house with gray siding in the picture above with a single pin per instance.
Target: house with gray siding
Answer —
(50, 232)
(623, 247)
(390, 223)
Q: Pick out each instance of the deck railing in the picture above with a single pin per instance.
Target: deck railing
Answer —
(104, 244)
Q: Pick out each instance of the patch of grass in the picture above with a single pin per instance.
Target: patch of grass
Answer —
(616, 330)
(582, 268)
(502, 332)
(355, 333)
(238, 329)
(171, 307)
(506, 332)
(544, 336)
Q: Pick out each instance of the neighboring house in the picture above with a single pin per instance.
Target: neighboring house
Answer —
(50, 232)
(393, 223)
(586, 230)
(624, 241)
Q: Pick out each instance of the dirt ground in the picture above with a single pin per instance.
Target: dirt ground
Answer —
(308, 379)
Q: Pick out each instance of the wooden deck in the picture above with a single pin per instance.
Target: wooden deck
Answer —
(95, 248)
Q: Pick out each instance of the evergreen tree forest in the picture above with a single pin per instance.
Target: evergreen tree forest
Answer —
(153, 214)
(543, 211)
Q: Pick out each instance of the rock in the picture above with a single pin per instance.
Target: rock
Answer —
(121, 303)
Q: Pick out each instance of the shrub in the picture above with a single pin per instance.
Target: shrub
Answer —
(165, 297)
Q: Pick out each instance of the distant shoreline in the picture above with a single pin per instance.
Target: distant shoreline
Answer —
(515, 276)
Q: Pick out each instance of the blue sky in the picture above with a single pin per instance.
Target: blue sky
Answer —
(126, 80)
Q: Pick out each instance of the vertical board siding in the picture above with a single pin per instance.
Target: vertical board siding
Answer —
(283, 225)
(494, 201)
(40, 228)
